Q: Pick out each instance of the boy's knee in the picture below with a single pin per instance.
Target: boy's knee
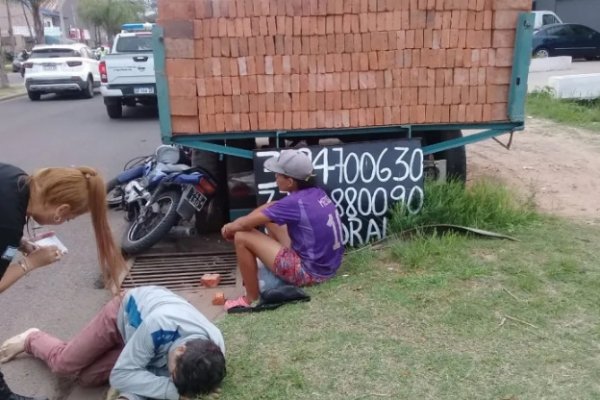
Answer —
(242, 237)
(64, 370)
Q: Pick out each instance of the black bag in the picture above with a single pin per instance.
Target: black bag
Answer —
(274, 298)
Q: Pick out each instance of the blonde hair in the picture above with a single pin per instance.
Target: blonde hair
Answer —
(84, 190)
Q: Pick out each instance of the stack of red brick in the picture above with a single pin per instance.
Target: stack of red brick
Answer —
(240, 65)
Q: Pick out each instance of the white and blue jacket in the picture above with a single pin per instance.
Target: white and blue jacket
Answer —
(152, 320)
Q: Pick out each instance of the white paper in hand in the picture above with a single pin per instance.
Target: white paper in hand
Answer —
(51, 240)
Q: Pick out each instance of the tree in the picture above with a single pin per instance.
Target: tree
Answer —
(111, 14)
(3, 76)
(38, 27)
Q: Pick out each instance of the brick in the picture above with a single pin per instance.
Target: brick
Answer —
(461, 76)
(504, 57)
(179, 48)
(505, 19)
(184, 106)
(481, 94)
(497, 94)
(462, 113)
(180, 68)
(498, 76)
(253, 121)
(178, 9)
(499, 112)
(522, 5)
(185, 87)
(185, 125)
(503, 38)
(175, 29)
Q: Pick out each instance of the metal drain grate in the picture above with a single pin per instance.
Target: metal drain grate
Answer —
(181, 270)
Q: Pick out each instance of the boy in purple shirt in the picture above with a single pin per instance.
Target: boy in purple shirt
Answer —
(304, 241)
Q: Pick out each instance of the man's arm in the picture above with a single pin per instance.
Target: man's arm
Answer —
(255, 219)
(130, 373)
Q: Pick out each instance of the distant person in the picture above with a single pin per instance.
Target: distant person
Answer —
(102, 52)
(303, 245)
(150, 343)
(50, 196)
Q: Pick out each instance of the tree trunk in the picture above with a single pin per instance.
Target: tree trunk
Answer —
(3, 76)
(37, 24)
(27, 20)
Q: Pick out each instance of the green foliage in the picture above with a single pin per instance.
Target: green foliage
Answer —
(111, 14)
(484, 205)
(445, 317)
(582, 113)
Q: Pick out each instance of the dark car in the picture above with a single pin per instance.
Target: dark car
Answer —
(17, 63)
(577, 41)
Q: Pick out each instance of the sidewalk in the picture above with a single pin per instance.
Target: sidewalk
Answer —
(539, 80)
(15, 89)
(12, 91)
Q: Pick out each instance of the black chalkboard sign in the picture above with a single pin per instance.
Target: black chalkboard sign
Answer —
(363, 179)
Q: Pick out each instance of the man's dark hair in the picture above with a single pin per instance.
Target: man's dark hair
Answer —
(308, 183)
(200, 369)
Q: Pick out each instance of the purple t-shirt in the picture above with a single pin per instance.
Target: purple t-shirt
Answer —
(314, 227)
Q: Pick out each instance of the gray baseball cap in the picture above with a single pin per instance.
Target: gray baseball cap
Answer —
(293, 163)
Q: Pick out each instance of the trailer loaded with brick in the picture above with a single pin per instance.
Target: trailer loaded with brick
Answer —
(237, 75)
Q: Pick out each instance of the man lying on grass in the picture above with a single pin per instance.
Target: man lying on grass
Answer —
(150, 342)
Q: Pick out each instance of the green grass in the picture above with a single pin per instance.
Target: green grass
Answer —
(437, 317)
(485, 205)
(581, 113)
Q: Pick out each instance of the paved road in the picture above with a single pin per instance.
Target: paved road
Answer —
(60, 298)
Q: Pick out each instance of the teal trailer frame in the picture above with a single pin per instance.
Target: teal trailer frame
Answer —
(515, 122)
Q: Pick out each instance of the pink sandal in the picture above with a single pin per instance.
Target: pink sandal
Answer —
(240, 302)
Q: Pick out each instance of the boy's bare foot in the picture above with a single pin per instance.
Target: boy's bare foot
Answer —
(15, 345)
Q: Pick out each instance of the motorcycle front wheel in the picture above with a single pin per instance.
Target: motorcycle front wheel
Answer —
(152, 224)
(114, 193)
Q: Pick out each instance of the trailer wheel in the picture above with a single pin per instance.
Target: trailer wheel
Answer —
(456, 158)
(212, 216)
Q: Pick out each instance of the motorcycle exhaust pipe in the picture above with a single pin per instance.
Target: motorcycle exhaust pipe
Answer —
(182, 231)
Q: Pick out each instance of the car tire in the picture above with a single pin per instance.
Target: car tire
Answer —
(542, 52)
(114, 110)
(88, 90)
(34, 96)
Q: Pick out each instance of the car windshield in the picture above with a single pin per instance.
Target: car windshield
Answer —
(54, 53)
(134, 44)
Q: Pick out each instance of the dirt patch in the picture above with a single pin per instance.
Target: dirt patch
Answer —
(555, 164)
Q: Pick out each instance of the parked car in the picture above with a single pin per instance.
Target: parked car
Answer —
(17, 63)
(61, 68)
(543, 18)
(577, 41)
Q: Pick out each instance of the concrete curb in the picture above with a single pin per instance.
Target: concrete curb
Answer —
(12, 96)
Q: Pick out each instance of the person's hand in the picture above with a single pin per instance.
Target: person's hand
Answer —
(27, 246)
(43, 256)
(227, 232)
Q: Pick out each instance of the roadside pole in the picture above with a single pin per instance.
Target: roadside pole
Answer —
(3, 75)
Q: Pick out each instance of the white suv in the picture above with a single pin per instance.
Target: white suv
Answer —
(60, 68)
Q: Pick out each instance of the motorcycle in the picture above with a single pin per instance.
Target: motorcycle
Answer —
(138, 167)
(157, 195)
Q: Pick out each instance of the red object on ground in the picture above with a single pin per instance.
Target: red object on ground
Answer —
(218, 299)
(211, 280)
